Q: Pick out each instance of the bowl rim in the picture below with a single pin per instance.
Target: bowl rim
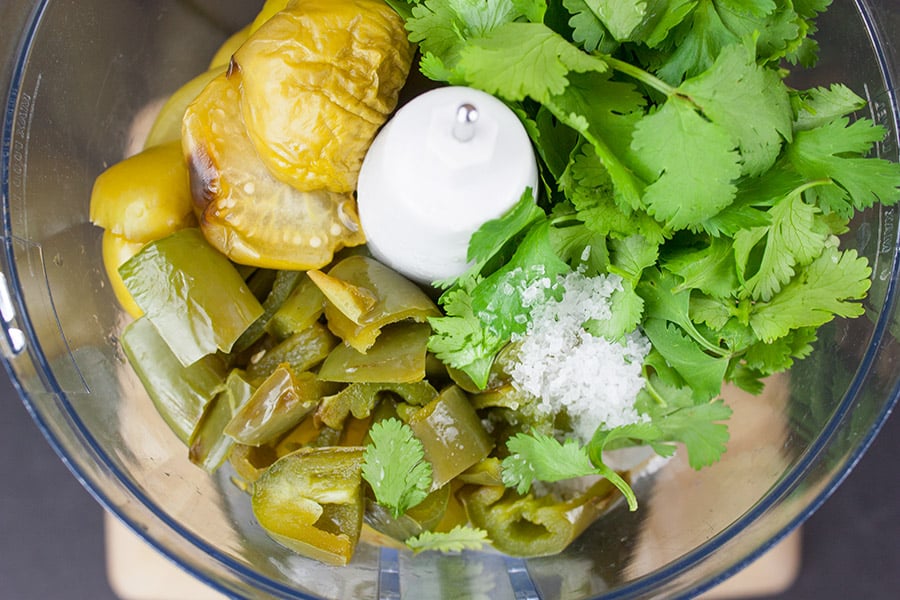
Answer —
(147, 508)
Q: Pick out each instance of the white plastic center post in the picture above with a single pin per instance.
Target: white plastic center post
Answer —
(447, 162)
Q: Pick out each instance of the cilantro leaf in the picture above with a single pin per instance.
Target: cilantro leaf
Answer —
(835, 151)
(581, 248)
(442, 28)
(394, 465)
(794, 238)
(554, 141)
(461, 537)
(696, 425)
(820, 106)
(827, 287)
(532, 10)
(460, 339)
(662, 17)
(524, 60)
(779, 354)
(599, 24)
(704, 373)
(605, 113)
(749, 101)
(665, 300)
(588, 185)
(540, 457)
(676, 418)
(492, 239)
(710, 269)
(587, 28)
(700, 429)
(621, 19)
(631, 256)
(627, 308)
(690, 161)
(715, 24)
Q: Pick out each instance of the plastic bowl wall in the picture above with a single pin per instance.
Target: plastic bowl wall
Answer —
(83, 76)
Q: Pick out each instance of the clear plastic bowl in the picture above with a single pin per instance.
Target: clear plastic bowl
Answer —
(79, 78)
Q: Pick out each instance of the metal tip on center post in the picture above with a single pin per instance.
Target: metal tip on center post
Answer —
(466, 118)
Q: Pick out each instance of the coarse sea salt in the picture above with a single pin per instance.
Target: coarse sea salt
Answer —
(564, 367)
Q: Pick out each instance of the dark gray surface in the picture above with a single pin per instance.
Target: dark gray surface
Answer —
(51, 532)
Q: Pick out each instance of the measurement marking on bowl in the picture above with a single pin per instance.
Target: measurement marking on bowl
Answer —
(22, 123)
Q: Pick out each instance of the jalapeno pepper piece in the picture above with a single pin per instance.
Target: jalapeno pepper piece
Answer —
(250, 462)
(300, 310)
(276, 406)
(209, 446)
(360, 399)
(302, 351)
(311, 502)
(485, 472)
(282, 286)
(179, 393)
(191, 293)
(374, 297)
(526, 526)
(397, 357)
(452, 435)
(422, 517)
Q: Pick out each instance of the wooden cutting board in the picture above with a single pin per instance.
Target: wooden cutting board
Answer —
(137, 571)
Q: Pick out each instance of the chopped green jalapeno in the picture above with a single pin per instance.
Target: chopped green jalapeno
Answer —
(191, 293)
(282, 286)
(452, 435)
(278, 404)
(397, 357)
(486, 472)
(180, 393)
(527, 526)
(360, 399)
(302, 351)
(422, 517)
(300, 310)
(249, 462)
(311, 502)
(209, 445)
(364, 296)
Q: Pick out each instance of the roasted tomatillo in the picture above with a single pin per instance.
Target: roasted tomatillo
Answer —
(318, 80)
(245, 212)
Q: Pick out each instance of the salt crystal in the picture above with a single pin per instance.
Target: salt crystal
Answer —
(566, 368)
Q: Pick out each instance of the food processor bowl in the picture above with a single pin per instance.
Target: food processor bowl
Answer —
(82, 80)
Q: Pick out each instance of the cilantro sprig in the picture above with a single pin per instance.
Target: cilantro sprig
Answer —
(394, 465)
(673, 154)
(461, 537)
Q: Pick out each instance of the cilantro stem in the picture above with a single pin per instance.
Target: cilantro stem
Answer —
(811, 184)
(641, 75)
(652, 390)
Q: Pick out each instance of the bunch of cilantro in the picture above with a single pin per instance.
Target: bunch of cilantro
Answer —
(672, 153)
